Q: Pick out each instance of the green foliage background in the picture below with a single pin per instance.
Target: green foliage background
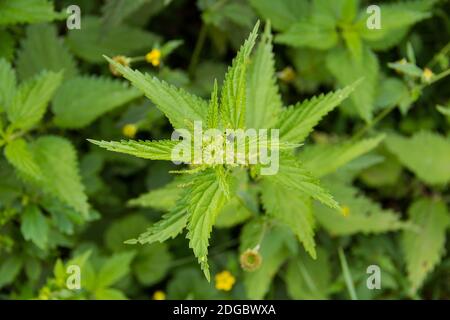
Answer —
(383, 153)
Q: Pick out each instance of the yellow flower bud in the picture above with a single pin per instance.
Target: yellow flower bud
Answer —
(287, 75)
(153, 57)
(129, 130)
(345, 211)
(250, 260)
(159, 295)
(121, 60)
(427, 74)
(224, 281)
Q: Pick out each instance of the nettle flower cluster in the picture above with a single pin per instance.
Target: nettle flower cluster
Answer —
(248, 99)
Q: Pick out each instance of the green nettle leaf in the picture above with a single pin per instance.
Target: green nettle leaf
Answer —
(292, 209)
(7, 84)
(81, 100)
(424, 250)
(205, 199)
(274, 253)
(31, 100)
(20, 156)
(318, 32)
(152, 263)
(34, 226)
(294, 176)
(359, 214)
(26, 11)
(427, 154)
(395, 18)
(233, 94)
(308, 279)
(317, 158)
(179, 106)
(346, 70)
(154, 150)
(109, 294)
(161, 199)
(170, 225)
(115, 11)
(7, 45)
(9, 269)
(263, 99)
(59, 167)
(296, 122)
(42, 49)
(114, 268)
(91, 42)
(282, 14)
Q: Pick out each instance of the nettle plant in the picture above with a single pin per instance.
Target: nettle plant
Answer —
(229, 194)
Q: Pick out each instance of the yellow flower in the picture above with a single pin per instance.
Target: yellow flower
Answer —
(224, 281)
(121, 60)
(287, 74)
(129, 130)
(345, 211)
(159, 295)
(427, 74)
(250, 260)
(153, 57)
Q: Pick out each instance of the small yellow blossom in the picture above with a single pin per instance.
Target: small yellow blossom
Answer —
(121, 60)
(287, 74)
(250, 260)
(129, 130)
(159, 295)
(153, 57)
(224, 281)
(345, 211)
(427, 74)
(403, 61)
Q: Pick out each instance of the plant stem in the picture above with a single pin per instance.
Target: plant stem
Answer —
(347, 275)
(197, 50)
(370, 125)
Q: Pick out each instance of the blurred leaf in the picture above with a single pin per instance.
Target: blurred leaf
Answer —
(9, 269)
(427, 154)
(347, 70)
(26, 11)
(7, 45)
(282, 13)
(31, 100)
(309, 279)
(91, 43)
(20, 156)
(34, 226)
(152, 263)
(114, 269)
(424, 250)
(8, 84)
(359, 214)
(59, 166)
(81, 100)
(318, 32)
(42, 49)
(317, 157)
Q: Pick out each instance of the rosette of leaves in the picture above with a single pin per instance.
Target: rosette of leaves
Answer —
(249, 98)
